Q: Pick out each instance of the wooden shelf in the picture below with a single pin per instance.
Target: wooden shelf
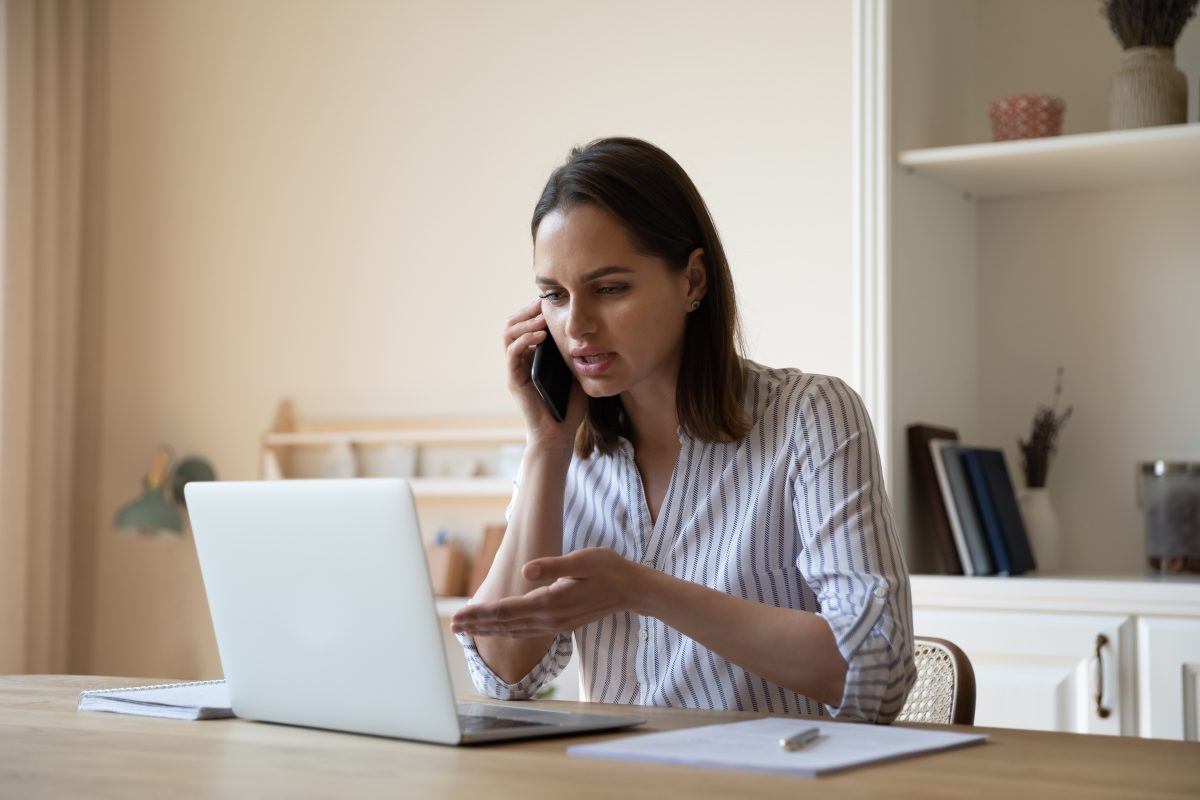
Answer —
(1063, 163)
(434, 448)
(464, 488)
(513, 435)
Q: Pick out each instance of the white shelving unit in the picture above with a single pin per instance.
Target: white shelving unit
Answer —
(1084, 161)
(981, 267)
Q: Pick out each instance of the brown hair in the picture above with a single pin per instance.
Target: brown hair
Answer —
(659, 205)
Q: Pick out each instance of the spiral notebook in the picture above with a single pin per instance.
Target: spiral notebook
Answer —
(193, 700)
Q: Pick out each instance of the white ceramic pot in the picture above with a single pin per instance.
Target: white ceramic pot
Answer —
(1041, 524)
(1147, 90)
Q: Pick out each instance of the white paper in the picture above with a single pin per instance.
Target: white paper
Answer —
(198, 700)
(754, 746)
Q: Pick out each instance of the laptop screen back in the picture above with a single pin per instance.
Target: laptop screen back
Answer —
(322, 605)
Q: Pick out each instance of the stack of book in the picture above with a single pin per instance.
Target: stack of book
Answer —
(971, 504)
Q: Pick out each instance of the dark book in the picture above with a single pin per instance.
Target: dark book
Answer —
(928, 493)
(961, 506)
(998, 510)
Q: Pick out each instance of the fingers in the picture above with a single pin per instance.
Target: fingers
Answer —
(508, 613)
(542, 612)
(521, 629)
(523, 331)
(518, 348)
(549, 569)
(576, 564)
(524, 312)
(515, 331)
(529, 318)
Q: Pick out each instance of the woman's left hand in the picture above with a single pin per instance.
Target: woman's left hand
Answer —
(587, 585)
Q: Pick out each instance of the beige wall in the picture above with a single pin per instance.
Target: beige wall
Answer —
(330, 201)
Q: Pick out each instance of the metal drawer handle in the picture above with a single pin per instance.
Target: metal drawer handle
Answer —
(1101, 711)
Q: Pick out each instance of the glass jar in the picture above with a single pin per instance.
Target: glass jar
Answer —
(1169, 495)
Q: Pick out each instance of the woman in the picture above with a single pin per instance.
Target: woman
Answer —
(713, 532)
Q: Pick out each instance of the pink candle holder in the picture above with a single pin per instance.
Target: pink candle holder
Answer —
(1026, 116)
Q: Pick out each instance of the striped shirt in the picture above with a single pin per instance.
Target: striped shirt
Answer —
(792, 515)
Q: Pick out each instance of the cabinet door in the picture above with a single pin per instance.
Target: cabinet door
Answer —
(1044, 671)
(1169, 678)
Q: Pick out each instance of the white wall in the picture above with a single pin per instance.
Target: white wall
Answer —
(331, 201)
(935, 376)
(1104, 285)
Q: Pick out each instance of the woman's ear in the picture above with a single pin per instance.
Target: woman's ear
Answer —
(696, 273)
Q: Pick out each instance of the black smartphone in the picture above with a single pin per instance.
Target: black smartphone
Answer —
(552, 377)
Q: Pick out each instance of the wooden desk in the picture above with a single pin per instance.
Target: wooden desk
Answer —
(49, 749)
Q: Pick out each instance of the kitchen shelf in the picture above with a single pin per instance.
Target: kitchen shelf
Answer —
(461, 453)
(1063, 163)
(486, 435)
(465, 488)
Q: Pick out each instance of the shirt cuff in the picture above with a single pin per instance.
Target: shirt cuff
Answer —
(491, 684)
(880, 668)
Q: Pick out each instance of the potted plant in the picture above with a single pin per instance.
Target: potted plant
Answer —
(1041, 522)
(1148, 89)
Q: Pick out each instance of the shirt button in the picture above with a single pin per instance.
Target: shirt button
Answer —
(644, 634)
(880, 592)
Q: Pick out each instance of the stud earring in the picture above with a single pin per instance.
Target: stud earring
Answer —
(695, 304)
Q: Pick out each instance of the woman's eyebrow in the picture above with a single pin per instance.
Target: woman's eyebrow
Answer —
(596, 274)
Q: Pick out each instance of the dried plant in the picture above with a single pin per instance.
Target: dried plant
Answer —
(1147, 23)
(1047, 424)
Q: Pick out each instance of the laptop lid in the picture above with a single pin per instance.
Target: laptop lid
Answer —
(322, 606)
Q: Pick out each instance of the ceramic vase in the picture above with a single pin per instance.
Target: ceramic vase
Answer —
(1041, 524)
(1147, 90)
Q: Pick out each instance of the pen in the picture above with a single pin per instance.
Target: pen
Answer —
(799, 740)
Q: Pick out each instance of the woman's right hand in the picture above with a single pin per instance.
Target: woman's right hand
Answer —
(524, 331)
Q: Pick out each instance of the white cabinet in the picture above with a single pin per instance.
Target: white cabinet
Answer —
(1169, 671)
(1052, 672)
(1114, 656)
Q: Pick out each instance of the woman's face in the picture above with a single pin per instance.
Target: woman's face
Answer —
(617, 314)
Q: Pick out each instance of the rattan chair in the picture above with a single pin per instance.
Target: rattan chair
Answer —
(945, 689)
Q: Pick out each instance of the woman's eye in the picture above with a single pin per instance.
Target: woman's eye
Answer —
(551, 296)
(611, 290)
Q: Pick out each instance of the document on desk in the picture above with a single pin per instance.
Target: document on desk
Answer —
(754, 746)
(193, 700)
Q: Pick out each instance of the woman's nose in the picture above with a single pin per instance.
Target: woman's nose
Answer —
(580, 322)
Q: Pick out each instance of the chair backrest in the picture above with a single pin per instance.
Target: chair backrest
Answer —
(945, 689)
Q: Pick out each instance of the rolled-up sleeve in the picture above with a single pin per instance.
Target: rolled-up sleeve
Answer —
(851, 558)
(546, 670)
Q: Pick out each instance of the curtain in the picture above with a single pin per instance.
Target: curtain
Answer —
(48, 382)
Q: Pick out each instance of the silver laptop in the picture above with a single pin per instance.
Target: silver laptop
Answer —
(325, 616)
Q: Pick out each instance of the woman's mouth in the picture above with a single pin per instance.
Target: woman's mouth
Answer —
(590, 366)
